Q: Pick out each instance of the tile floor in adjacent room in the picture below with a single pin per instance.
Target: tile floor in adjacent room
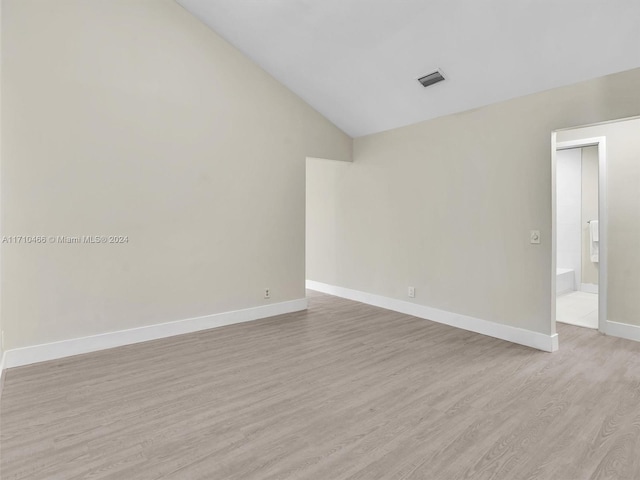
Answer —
(578, 308)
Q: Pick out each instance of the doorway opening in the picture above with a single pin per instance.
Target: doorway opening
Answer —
(579, 238)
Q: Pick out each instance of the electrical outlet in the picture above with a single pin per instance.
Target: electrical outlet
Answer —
(411, 292)
(534, 236)
(267, 293)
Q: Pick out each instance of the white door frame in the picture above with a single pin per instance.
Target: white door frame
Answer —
(601, 143)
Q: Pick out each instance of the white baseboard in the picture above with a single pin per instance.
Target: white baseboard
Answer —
(51, 351)
(563, 291)
(589, 287)
(540, 341)
(623, 330)
(2, 372)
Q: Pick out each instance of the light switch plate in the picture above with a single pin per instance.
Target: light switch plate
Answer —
(535, 236)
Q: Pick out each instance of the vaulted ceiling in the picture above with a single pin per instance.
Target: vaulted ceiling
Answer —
(357, 61)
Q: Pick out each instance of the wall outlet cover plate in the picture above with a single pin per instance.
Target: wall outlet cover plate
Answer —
(535, 236)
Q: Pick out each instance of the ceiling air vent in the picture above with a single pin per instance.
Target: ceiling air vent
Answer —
(432, 78)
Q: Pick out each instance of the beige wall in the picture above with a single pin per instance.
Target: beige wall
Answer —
(322, 208)
(589, 211)
(130, 117)
(623, 210)
(447, 205)
(1, 230)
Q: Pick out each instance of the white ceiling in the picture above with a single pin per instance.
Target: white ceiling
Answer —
(357, 61)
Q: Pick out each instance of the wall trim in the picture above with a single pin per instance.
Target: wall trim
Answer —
(76, 346)
(529, 338)
(623, 330)
(2, 372)
(589, 287)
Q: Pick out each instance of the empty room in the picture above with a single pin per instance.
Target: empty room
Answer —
(338, 240)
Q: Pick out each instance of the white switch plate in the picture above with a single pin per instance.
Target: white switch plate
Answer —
(535, 236)
(411, 292)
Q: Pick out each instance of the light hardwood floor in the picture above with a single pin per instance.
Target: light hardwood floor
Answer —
(342, 391)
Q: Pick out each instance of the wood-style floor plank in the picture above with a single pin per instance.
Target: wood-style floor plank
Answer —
(341, 391)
